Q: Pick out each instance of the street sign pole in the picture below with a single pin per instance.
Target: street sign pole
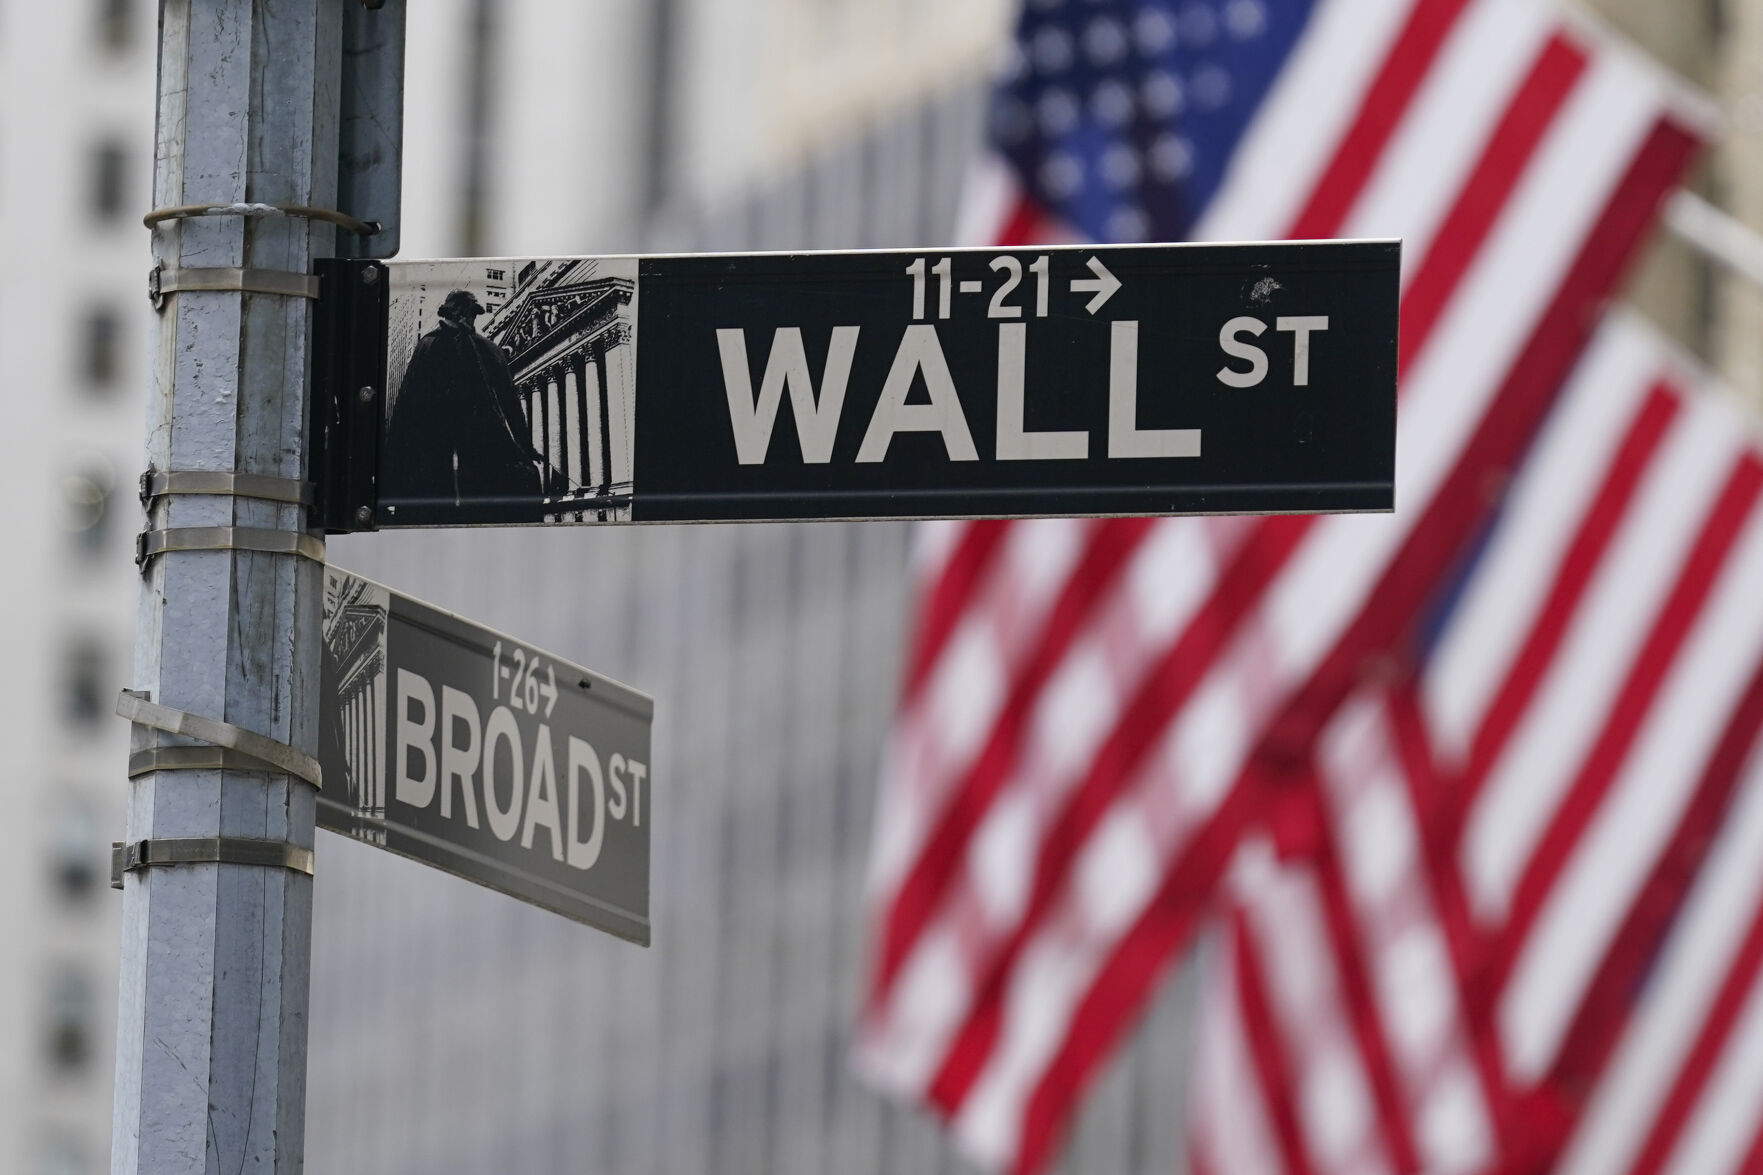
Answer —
(217, 901)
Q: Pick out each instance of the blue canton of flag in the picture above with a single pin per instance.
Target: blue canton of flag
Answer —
(1120, 116)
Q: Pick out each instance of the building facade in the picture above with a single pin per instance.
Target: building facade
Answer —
(76, 127)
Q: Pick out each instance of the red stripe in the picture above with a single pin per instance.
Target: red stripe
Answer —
(1609, 506)
(1024, 225)
(1111, 544)
(946, 602)
(1629, 958)
(1626, 716)
(1261, 1031)
(1380, 112)
(1711, 1042)
(1127, 976)
(1452, 515)
(1165, 689)
(1358, 995)
(1527, 117)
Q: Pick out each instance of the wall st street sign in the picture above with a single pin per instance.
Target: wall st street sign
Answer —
(450, 743)
(1151, 379)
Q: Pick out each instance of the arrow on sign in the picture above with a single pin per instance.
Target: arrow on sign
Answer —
(1103, 285)
(548, 690)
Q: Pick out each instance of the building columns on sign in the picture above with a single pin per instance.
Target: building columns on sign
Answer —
(557, 452)
(570, 390)
(593, 399)
(618, 379)
(376, 758)
(534, 421)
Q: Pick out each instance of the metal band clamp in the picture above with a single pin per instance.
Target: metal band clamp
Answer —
(227, 538)
(206, 850)
(162, 282)
(267, 753)
(361, 228)
(261, 487)
(169, 758)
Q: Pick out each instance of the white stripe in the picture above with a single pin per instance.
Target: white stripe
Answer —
(896, 1051)
(1444, 130)
(1696, 960)
(1643, 806)
(988, 197)
(1311, 107)
(1726, 1117)
(1547, 506)
(1324, 585)
(1573, 173)
(1569, 707)
(932, 545)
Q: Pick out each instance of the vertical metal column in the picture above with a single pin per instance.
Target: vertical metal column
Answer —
(211, 1048)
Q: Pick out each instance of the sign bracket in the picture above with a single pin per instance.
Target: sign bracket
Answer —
(349, 393)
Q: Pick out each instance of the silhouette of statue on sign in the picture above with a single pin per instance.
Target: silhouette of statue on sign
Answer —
(458, 431)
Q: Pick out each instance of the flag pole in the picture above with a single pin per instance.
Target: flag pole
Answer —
(1716, 234)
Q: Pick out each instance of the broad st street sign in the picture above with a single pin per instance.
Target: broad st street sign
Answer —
(483, 756)
(1126, 380)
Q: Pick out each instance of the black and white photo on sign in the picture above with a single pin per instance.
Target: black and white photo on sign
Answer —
(513, 381)
(353, 722)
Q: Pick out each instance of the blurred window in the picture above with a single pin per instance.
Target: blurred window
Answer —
(100, 348)
(83, 687)
(75, 853)
(116, 23)
(70, 1019)
(88, 486)
(109, 180)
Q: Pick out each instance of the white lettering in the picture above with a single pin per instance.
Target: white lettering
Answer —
(1231, 343)
(1301, 325)
(817, 421)
(504, 822)
(638, 772)
(615, 773)
(415, 735)
(541, 796)
(459, 762)
(583, 853)
(1125, 437)
(919, 351)
(1014, 442)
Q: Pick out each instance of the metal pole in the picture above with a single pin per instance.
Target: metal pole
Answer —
(211, 1029)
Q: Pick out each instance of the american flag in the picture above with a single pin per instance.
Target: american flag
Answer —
(1097, 714)
(1526, 928)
